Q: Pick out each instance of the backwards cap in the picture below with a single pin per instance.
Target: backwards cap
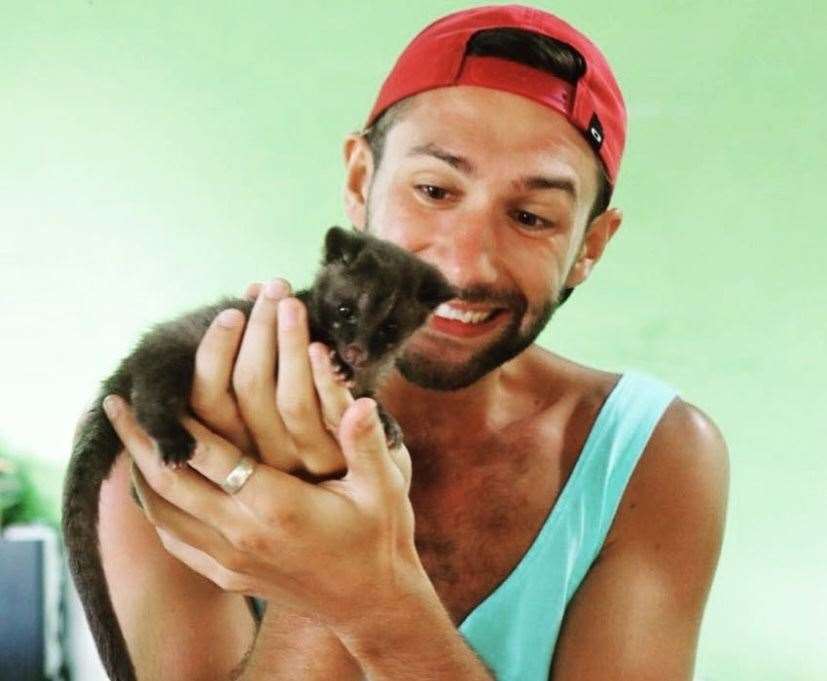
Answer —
(436, 58)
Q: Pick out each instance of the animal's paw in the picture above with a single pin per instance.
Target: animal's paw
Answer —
(393, 431)
(176, 448)
(342, 371)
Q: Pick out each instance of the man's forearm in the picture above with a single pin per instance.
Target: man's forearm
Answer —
(416, 640)
(289, 646)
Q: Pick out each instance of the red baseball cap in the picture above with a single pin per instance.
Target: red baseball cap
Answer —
(436, 58)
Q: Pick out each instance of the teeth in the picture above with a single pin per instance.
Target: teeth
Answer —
(468, 317)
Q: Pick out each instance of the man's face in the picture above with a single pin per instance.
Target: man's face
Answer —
(495, 191)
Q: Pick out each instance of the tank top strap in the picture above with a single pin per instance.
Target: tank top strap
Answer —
(609, 457)
(514, 629)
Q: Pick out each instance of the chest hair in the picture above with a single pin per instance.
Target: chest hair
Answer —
(475, 522)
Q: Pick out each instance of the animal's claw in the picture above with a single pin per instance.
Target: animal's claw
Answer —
(342, 372)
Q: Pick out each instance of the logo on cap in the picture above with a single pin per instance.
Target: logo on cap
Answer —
(595, 133)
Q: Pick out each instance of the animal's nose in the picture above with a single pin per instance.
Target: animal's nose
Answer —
(354, 355)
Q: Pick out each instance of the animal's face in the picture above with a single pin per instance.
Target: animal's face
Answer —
(372, 296)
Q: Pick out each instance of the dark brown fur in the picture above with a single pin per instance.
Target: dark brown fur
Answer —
(367, 299)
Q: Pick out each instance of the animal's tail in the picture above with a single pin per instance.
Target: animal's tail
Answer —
(93, 456)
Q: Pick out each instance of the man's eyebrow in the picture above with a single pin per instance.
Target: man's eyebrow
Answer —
(534, 182)
(527, 183)
(460, 163)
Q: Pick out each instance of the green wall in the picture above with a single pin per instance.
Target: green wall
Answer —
(154, 155)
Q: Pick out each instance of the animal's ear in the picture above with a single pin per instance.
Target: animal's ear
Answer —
(434, 289)
(342, 245)
(370, 263)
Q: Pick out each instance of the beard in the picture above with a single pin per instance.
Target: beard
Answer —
(431, 372)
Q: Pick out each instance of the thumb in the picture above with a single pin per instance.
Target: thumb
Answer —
(362, 439)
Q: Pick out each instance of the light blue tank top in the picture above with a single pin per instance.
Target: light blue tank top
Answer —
(514, 630)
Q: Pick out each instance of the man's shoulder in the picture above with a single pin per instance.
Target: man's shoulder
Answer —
(562, 379)
(685, 450)
(686, 455)
(654, 572)
(679, 487)
(682, 477)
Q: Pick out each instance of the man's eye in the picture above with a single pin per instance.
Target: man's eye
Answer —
(432, 191)
(530, 219)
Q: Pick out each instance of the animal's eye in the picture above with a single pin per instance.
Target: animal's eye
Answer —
(346, 311)
(388, 329)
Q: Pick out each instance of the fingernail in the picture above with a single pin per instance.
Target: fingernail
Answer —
(288, 314)
(275, 289)
(227, 318)
(317, 354)
(368, 419)
(111, 405)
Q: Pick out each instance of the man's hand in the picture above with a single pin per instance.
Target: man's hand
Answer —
(339, 550)
(338, 555)
(235, 393)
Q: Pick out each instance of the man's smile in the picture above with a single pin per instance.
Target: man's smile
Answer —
(461, 319)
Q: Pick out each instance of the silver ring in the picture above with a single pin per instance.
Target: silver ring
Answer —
(239, 475)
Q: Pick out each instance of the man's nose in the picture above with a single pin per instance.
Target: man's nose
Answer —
(467, 252)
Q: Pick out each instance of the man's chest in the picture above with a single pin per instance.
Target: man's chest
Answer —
(472, 532)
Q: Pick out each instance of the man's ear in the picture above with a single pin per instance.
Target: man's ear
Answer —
(358, 174)
(597, 236)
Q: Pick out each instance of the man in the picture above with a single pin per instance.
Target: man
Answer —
(567, 520)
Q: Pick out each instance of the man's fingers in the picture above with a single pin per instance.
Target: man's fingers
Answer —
(204, 564)
(267, 492)
(211, 398)
(402, 458)
(369, 464)
(183, 487)
(254, 377)
(172, 520)
(295, 394)
(334, 397)
(252, 290)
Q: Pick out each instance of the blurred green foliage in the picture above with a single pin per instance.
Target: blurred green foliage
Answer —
(29, 489)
